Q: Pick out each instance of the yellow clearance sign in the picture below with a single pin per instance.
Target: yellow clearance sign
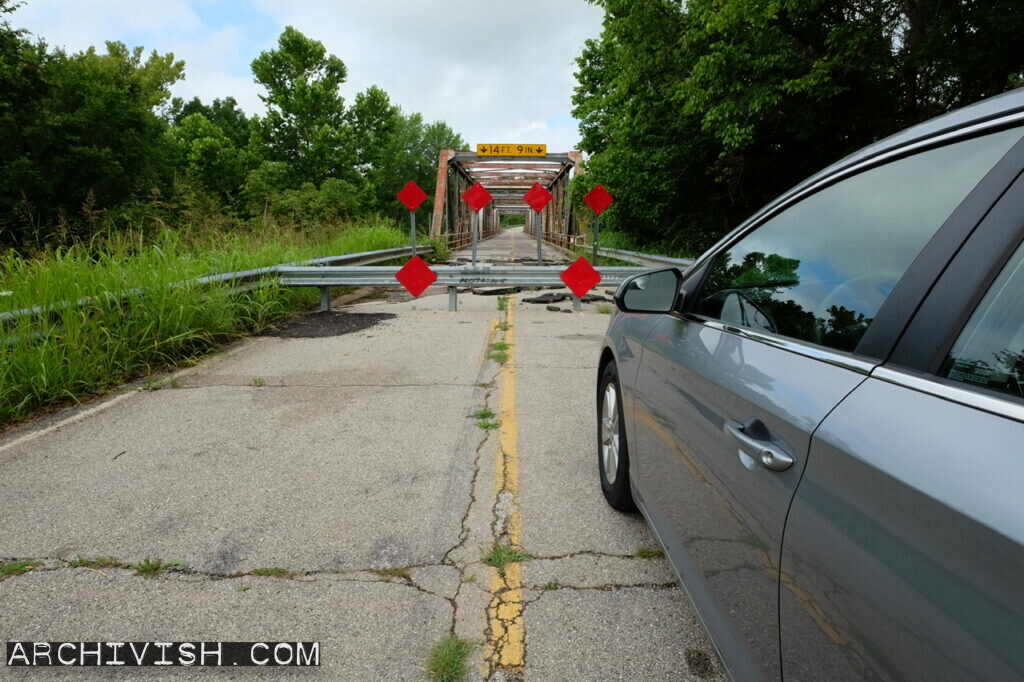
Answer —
(512, 150)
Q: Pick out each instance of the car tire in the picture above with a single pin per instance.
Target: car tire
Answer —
(612, 452)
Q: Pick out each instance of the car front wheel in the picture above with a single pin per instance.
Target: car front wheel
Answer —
(612, 451)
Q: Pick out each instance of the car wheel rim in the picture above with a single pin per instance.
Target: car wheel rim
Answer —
(610, 434)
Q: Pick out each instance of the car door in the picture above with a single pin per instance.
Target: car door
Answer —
(902, 557)
(731, 387)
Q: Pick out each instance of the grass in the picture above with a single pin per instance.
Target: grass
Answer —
(15, 568)
(647, 553)
(97, 562)
(501, 555)
(143, 314)
(151, 567)
(447, 661)
(273, 572)
(398, 572)
(604, 309)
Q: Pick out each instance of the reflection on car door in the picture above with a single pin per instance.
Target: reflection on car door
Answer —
(715, 507)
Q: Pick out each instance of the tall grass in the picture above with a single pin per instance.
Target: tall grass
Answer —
(135, 322)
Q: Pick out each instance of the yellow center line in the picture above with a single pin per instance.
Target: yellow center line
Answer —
(506, 631)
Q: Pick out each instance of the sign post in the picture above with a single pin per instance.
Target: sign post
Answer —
(537, 197)
(477, 197)
(413, 197)
(598, 199)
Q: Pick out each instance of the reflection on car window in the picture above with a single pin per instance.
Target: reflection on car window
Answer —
(820, 270)
(990, 351)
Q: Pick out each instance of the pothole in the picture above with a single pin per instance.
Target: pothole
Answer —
(320, 325)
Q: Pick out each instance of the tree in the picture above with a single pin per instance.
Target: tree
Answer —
(224, 113)
(697, 113)
(305, 124)
(208, 155)
(84, 131)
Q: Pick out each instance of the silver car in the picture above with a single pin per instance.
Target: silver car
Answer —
(823, 418)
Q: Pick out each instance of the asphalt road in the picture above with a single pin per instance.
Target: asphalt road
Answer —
(335, 486)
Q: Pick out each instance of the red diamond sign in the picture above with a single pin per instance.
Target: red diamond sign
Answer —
(598, 199)
(580, 277)
(477, 197)
(416, 276)
(411, 195)
(537, 197)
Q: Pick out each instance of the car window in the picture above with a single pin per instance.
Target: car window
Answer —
(820, 270)
(990, 350)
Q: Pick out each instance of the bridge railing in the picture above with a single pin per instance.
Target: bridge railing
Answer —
(449, 276)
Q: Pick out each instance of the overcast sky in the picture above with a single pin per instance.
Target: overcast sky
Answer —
(497, 71)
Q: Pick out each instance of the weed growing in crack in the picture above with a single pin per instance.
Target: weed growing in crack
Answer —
(273, 572)
(503, 303)
(15, 568)
(647, 553)
(447, 661)
(604, 309)
(397, 572)
(552, 585)
(471, 578)
(97, 562)
(489, 424)
(500, 345)
(483, 414)
(153, 384)
(259, 382)
(244, 588)
(503, 326)
(175, 383)
(151, 567)
(500, 357)
(502, 555)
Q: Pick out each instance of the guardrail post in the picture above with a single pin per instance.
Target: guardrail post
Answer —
(475, 222)
(577, 303)
(325, 299)
(453, 299)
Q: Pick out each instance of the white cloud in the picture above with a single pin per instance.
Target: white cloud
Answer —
(495, 71)
(487, 68)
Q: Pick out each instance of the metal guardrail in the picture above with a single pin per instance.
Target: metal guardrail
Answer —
(447, 275)
(241, 279)
(650, 260)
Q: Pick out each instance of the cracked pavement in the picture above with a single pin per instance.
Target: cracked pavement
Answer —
(330, 458)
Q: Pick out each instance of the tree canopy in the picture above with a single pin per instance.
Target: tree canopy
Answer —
(94, 133)
(695, 114)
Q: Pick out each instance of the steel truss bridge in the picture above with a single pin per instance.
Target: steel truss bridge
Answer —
(507, 178)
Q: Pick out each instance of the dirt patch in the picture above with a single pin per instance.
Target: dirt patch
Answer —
(700, 663)
(319, 325)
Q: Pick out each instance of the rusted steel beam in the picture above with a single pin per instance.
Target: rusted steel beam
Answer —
(440, 192)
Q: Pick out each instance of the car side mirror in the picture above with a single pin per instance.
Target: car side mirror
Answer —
(650, 292)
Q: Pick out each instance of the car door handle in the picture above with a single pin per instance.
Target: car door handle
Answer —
(770, 455)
